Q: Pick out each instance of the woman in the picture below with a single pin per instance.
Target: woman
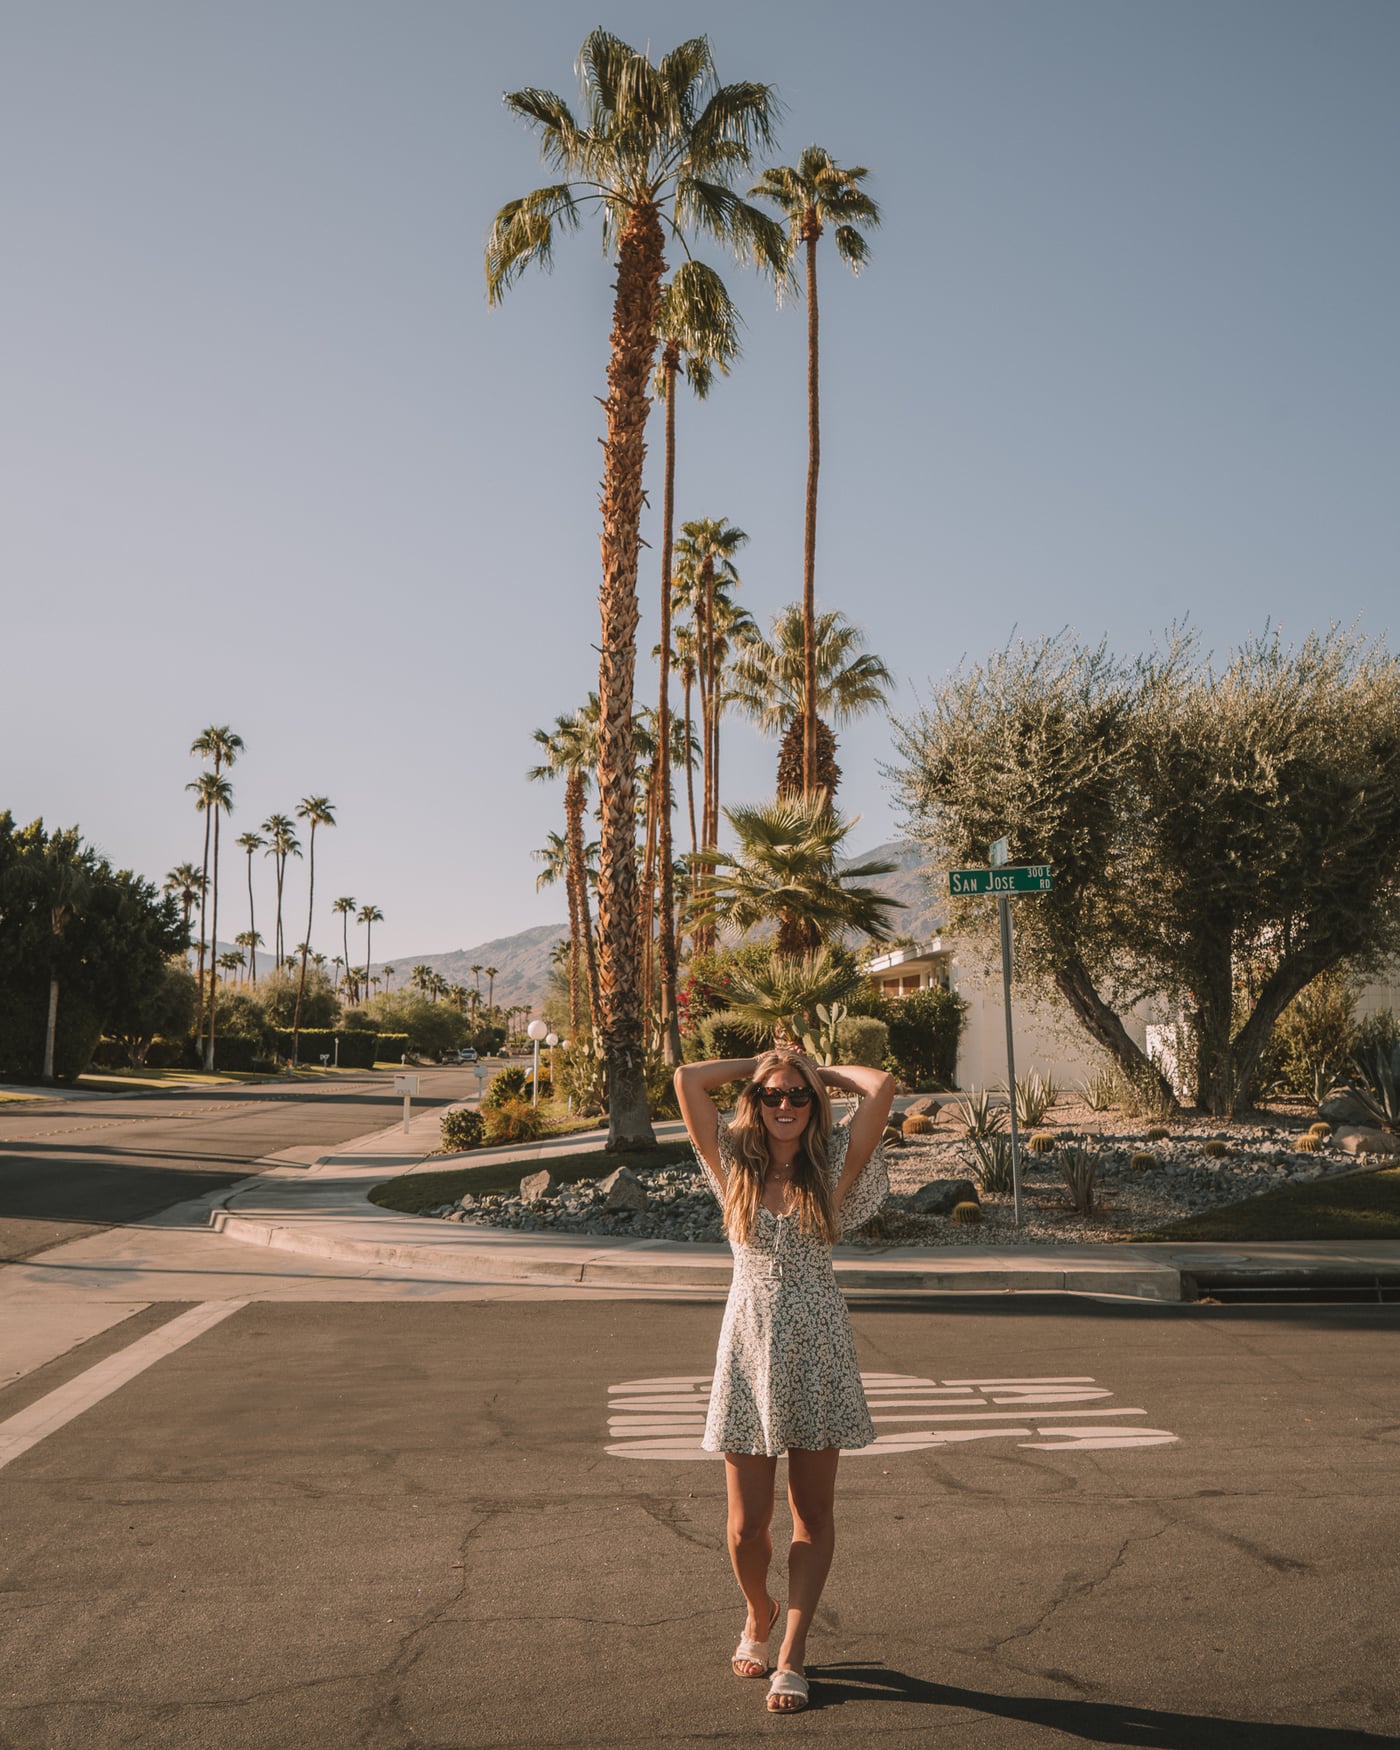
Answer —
(786, 1378)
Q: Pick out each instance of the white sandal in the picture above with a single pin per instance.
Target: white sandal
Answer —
(754, 1652)
(788, 1683)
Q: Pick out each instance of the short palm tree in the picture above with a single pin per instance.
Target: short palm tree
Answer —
(369, 916)
(659, 148)
(344, 910)
(187, 884)
(316, 811)
(250, 842)
(786, 872)
(811, 195)
(768, 682)
(778, 1002)
(282, 843)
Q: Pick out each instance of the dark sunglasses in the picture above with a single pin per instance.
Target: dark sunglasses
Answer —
(793, 1096)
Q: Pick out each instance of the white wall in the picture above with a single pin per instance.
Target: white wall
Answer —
(1048, 1038)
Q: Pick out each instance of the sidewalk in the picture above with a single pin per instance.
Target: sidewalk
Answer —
(317, 1205)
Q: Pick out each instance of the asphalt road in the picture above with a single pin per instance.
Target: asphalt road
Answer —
(69, 1169)
(394, 1525)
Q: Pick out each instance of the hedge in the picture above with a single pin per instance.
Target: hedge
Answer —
(724, 1036)
(863, 1040)
(352, 1048)
(925, 1028)
(393, 1047)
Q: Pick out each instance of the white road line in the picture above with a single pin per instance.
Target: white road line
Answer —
(44, 1417)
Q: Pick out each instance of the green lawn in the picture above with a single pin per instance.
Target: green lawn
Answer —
(415, 1192)
(1361, 1206)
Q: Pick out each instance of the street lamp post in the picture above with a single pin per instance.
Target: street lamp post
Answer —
(537, 1031)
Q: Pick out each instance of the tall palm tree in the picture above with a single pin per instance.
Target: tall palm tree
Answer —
(660, 146)
(187, 884)
(283, 843)
(316, 811)
(213, 797)
(490, 972)
(344, 909)
(571, 750)
(251, 941)
(687, 647)
(768, 682)
(388, 978)
(814, 194)
(707, 576)
(250, 842)
(786, 872)
(698, 327)
(218, 743)
(369, 916)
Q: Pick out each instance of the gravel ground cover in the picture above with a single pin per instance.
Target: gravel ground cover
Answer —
(1182, 1180)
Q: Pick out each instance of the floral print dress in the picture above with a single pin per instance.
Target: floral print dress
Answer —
(786, 1372)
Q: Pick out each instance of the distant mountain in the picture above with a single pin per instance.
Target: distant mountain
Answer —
(522, 961)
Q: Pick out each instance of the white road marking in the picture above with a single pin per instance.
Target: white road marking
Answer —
(29, 1426)
(665, 1418)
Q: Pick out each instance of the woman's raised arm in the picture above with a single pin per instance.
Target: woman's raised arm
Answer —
(876, 1090)
(694, 1083)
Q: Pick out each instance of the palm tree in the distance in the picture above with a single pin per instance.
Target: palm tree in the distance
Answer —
(661, 146)
(213, 797)
(811, 195)
(490, 972)
(316, 811)
(219, 743)
(369, 916)
(571, 750)
(250, 941)
(698, 328)
(344, 910)
(282, 843)
(186, 883)
(768, 682)
(250, 842)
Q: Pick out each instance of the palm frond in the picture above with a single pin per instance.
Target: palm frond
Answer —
(523, 233)
(851, 247)
(562, 141)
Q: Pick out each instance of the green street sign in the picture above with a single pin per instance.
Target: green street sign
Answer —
(1035, 879)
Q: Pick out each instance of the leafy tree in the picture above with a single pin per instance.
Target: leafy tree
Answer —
(432, 1028)
(768, 681)
(162, 1008)
(1219, 837)
(811, 195)
(786, 872)
(660, 147)
(320, 1006)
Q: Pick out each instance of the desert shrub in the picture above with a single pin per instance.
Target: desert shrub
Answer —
(1100, 1090)
(507, 1085)
(862, 1039)
(1143, 1162)
(917, 1124)
(1042, 1143)
(1313, 1038)
(925, 1028)
(579, 1072)
(1377, 1082)
(661, 1089)
(723, 1036)
(1144, 1094)
(462, 1128)
(1079, 1167)
(513, 1120)
(966, 1214)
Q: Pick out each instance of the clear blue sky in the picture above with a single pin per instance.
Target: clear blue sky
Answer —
(1126, 352)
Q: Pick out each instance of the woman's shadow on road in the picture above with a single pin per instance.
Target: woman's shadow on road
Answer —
(1094, 1722)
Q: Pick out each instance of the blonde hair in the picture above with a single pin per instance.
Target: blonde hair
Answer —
(749, 1157)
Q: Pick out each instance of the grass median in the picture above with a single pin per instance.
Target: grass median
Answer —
(414, 1192)
(1359, 1206)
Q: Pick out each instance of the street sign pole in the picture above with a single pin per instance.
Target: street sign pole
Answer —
(1004, 907)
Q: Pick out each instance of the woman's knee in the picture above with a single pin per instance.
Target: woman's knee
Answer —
(748, 1526)
(813, 1519)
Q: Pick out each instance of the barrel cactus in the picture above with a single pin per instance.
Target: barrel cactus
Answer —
(1143, 1162)
(1311, 1144)
(1321, 1128)
(966, 1214)
(894, 1136)
(1216, 1149)
(917, 1124)
(1042, 1143)
(1158, 1133)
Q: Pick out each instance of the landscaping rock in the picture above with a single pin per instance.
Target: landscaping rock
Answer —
(926, 1106)
(537, 1185)
(1363, 1140)
(1343, 1107)
(623, 1190)
(939, 1197)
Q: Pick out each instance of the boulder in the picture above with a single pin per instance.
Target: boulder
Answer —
(926, 1106)
(1364, 1140)
(623, 1190)
(938, 1197)
(1344, 1107)
(536, 1185)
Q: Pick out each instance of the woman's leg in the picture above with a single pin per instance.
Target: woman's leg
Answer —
(811, 1493)
(749, 1483)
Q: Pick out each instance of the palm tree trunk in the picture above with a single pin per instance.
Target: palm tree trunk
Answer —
(306, 944)
(213, 944)
(369, 959)
(50, 1030)
(811, 231)
(252, 930)
(345, 943)
(574, 798)
(575, 944)
(689, 764)
(666, 945)
(203, 901)
(641, 263)
(647, 917)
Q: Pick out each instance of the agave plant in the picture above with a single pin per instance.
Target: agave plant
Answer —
(1080, 1168)
(1379, 1092)
(978, 1116)
(1035, 1095)
(988, 1159)
(1100, 1091)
